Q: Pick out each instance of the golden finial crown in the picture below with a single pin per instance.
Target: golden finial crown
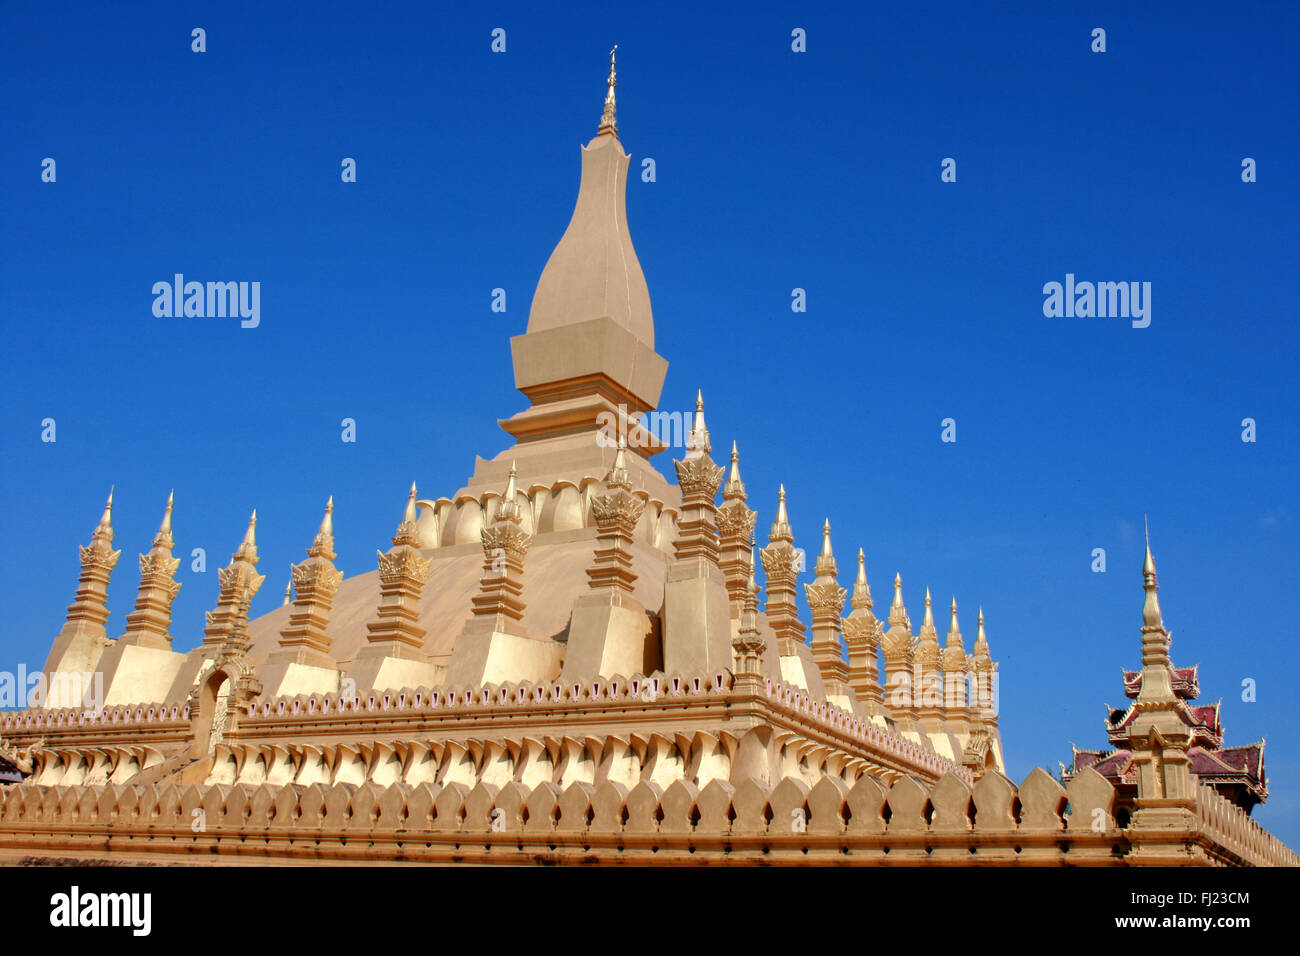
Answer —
(781, 530)
(509, 510)
(734, 489)
(608, 121)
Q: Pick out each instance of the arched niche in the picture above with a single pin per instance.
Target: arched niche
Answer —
(214, 712)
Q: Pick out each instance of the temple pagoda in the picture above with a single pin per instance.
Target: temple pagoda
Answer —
(1235, 772)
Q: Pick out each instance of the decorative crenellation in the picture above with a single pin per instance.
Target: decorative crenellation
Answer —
(402, 573)
(787, 821)
(149, 625)
(315, 581)
(239, 582)
(782, 563)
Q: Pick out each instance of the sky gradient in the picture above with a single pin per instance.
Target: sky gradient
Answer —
(775, 170)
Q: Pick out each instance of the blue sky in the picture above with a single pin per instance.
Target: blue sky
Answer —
(775, 170)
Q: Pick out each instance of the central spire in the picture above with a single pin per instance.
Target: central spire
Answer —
(589, 345)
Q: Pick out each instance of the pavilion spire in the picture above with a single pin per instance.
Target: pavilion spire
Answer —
(1157, 678)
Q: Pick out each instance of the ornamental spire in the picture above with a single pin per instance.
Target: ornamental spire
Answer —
(1151, 616)
(897, 612)
(509, 510)
(781, 530)
(826, 560)
(697, 442)
(955, 695)
(306, 636)
(323, 545)
(617, 476)
(981, 641)
(104, 530)
(734, 489)
(163, 539)
(826, 601)
(782, 563)
(149, 624)
(735, 523)
(954, 632)
(862, 634)
(406, 533)
(861, 590)
(1156, 680)
(608, 123)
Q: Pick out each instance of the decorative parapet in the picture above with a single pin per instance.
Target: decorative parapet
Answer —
(789, 822)
(1225, 825)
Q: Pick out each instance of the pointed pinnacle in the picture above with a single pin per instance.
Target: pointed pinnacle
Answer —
(248, 547)
(327, 520)
(697, 442)
(106, 519)
(167, 514)
(734, 487)
(1148, 563)
(410, 514)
